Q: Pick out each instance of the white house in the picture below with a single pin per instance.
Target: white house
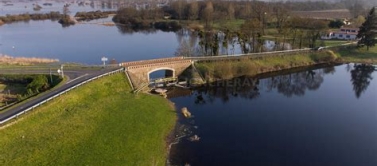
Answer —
(343, 34)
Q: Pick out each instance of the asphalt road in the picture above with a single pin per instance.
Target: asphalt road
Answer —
(75, 77)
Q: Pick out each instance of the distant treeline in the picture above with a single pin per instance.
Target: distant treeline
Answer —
(27, 17)
(215, 11)
(63, 19)
(87, 16)
(144, 19)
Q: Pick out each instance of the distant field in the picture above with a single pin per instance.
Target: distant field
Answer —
(9, 60)
(324, 14)
(100, 123)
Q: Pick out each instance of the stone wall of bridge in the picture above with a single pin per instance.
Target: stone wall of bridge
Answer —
(139, 71)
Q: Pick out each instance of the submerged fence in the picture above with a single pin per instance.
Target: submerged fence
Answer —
(59, 94)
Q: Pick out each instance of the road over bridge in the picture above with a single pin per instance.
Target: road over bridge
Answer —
(139, 71)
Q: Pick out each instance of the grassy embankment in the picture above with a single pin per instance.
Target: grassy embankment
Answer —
(225, 70)
(358, 55)
(250, 67)
(101, 123)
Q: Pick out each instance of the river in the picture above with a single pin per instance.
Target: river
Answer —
(325, 116)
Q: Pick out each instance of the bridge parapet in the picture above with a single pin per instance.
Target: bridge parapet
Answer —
(148, 65)
(151, 61)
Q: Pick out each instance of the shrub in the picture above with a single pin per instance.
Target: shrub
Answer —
(325, 56)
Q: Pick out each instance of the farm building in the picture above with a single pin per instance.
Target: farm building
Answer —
(343, 34)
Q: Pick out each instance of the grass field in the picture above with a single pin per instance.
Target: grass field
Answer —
(232, 25)
(360, 55)
(100, 123)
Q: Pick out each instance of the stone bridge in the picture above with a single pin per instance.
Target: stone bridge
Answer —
(139, 71)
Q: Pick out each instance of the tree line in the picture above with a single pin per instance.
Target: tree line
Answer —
(27, 17)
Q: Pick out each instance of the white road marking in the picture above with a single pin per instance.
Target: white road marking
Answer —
(76, 78)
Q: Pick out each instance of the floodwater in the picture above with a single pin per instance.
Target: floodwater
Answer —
(88, 42)
(84, 43)
(325, 116)
(20, 7)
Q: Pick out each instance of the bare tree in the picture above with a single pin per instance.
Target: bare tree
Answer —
(178, 6)
(231, 11)
(193, 10)
(208, 13)
(260, 11)
(282, 15)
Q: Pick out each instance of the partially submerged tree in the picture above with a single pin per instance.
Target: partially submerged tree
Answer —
(368, 31)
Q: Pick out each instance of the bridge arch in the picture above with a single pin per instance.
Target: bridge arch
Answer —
(159, 69)
(139, 72)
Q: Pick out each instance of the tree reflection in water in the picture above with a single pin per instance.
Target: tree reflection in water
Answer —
(297, 83)
(127, 30)
(294, 84)
(361, 76)
(244, 87)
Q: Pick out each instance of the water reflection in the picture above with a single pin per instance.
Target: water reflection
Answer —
(297, 83)
(129, 30)
(293, 84)
(295, 118)
(361, 76)
(213, 43)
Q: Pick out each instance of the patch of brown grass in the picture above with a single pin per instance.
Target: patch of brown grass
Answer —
(9, 60)
(195, 26)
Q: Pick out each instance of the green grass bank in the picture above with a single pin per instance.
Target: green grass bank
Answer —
(218, 70)
(358, 55)
(100, 123)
